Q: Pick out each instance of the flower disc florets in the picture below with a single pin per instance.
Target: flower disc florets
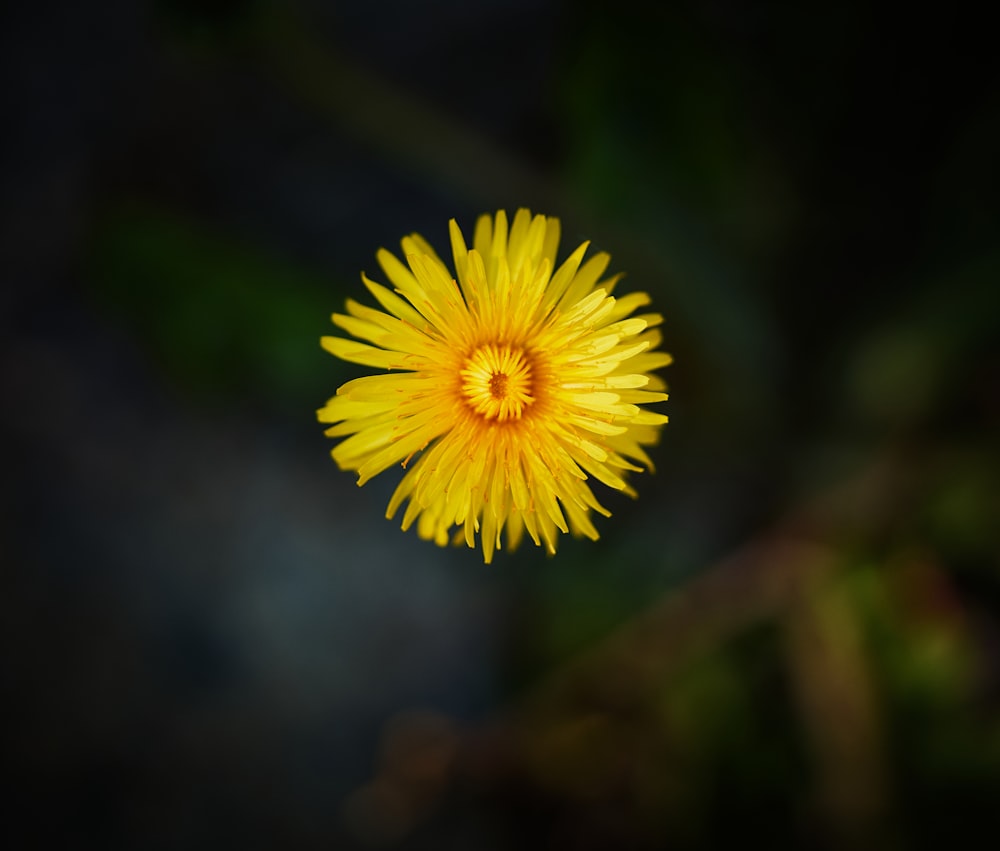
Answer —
(497, 382)
(509, 385)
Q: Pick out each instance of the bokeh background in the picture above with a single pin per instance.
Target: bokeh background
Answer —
(211, 636)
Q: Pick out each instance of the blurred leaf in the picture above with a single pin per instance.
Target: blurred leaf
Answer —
(219, 316)
(964, 504)
(905, 370)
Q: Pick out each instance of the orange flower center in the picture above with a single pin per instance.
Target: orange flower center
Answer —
(496, 382)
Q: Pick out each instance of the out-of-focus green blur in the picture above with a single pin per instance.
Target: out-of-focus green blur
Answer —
(213, 637)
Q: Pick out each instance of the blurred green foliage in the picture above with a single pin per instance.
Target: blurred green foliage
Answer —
(223, 319)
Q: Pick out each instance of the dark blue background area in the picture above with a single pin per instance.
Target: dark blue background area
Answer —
(212, 637)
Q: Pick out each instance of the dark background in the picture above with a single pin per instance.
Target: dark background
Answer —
(212, 638)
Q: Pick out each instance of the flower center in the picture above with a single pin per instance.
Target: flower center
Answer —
(496, 382)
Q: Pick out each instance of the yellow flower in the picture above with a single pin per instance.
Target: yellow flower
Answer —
(508, 388)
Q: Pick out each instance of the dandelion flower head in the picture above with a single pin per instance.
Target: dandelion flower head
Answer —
(508, 385)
